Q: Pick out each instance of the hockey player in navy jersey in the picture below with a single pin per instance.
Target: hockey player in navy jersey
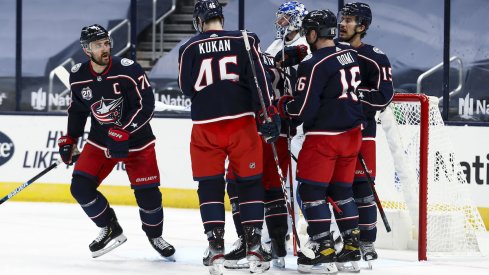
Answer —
(215, 72)
(117, 95)
(327, 103)
(375, 93)
(289, 18)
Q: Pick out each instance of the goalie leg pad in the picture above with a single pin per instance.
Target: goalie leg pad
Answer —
(367, 211)
(251, 195)
(233, 199)
(95, 205)
(211, 199)
(316, 211)
(343, 197)
(150, 211)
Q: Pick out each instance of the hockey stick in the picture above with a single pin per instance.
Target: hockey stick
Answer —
(29, 182)
(376, 196)
(306, 251)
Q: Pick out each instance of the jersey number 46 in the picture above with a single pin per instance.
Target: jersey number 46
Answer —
(206, 77)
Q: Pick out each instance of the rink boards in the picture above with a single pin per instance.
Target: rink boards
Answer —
(28, 145)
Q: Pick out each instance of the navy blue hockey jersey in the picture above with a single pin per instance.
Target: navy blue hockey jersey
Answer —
(325, 94)
(215, 72)
(376, 90)
(119, 96)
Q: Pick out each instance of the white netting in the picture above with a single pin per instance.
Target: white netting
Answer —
(453, 220)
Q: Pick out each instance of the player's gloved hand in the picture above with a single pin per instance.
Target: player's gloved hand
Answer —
(293, 55)
(67, 148)
(270, 130)
(281, 105)
(118, 142)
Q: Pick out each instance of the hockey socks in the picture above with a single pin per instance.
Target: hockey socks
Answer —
(211, 199)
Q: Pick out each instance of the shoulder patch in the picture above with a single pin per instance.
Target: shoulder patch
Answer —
(377, 50)
(126, 62)
(75, 68)
(307, 57)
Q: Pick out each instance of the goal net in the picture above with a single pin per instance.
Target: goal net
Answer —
(420, 183)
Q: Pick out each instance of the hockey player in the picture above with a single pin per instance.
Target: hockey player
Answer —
(326, 102)
(375, 92)
(215, 73)
(289, 18)
(118, 96)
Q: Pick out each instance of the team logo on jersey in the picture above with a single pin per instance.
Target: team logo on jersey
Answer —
(108, 111)
(75, 68)
(214, 35)
(86, 93)
(252, 165)
(126, 62)
(377, 50)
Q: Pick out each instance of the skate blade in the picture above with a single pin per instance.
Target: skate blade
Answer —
(257, 266)
(169, 258)
(217, 267)
(350, 267)
(117, 241)
(279, 262)
(324, 268)
(369, 265)
(235, 264)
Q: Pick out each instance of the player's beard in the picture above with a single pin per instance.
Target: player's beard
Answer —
(103, 60)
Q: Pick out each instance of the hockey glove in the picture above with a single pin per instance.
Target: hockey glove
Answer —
(67, 148)
(293, 55)
(281, 105)
(118, 143)
(270, 130)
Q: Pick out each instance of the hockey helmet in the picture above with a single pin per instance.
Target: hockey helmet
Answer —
(361, 11)
(205, 10)
(295, 12)
(322, 21)
(93, 33)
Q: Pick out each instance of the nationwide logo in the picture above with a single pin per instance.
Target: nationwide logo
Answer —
(468, 107)
(7, 148)
(38, 100)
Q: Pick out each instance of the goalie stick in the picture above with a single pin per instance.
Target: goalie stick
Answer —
(306, 251)
(376, 196)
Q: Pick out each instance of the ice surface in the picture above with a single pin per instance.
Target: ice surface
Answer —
(53, 238)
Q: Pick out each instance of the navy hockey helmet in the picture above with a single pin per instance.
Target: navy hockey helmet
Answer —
(322, 21)
(361, 11)
(93, 33)
(205, 10)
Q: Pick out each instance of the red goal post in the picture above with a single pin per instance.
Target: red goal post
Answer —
(422, 180)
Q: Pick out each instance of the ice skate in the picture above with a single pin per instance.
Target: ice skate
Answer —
(323, 262)
(165, 249)
(257, 255)
(109, 237)
(350, 255)
(214, 254)
(368, 252)
(279, 248)
(236, 259)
